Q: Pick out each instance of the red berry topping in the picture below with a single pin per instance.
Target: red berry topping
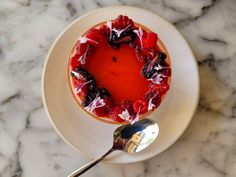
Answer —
(161, 89)
(74, 63)
(79, 84)
(118, 109)
(142, 57)
(146, 54)
(104, 30)
(149, 40)
(95, 35)
(167, 72)
(153, 97)
(104, 111)
(140, 106)
(127, 105)
(114, 113)
(81, 48)
(122, 22)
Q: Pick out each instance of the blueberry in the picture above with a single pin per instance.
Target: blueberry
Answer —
(88, 77)
(103, 92)
(148, 73)
(161, 56)
(91, 85)
(125, 37)
(88, 98)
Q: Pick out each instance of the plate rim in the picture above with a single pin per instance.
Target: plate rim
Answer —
(195, 105)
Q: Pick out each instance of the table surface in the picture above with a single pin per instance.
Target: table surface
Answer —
(30, 146)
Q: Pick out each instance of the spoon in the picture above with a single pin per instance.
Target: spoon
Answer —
(128, 138)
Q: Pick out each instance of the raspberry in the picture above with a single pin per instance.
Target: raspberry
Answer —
(81, 48)
(151, 53)
(162, 88)
(114, 113)
(74, 63)
(149, 40)
(167, 72)
(122, 22)
(78, 83)
(154, 97)
(104, 30)
(127, 105)
(140, 106)
(104, 111)
(141, 55)
(118, 109)
(95, 36)
(146, 54)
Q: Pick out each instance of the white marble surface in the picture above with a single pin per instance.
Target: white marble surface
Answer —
(29, 146)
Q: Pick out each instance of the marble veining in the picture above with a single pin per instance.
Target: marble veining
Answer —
(29, 145)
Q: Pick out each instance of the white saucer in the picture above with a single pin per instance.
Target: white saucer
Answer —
(93, 137)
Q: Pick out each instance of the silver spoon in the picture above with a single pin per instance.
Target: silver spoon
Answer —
(129, 138)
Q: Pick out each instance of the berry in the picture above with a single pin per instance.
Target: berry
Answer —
(104, 111)
(140, 106)
(102, 92)
(119, 108)
(95, 36)
(125, 37)
(154, 96)
(151, 53)
(167, 72)
(161, 56)
(114, 113)
(149, 40)
(78, 83)
(81, 48)
(161, 89)
(148, 69)
(127, 105)
(88, 98)
(122, 22)
(87, 77)
(74, 63)
(141, 55)
(104, 30)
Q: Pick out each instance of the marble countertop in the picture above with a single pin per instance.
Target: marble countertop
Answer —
(30, 147)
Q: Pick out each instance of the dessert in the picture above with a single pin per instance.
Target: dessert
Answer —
(119, 71)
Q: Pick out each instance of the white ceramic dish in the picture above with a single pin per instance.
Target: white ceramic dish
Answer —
(93, 137)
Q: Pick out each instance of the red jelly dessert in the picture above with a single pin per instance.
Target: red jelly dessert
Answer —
(119, 71)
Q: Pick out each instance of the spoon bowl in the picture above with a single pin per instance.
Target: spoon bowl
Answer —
(130, 138)
(136, 137)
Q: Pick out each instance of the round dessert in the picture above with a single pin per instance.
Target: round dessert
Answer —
(119, 71)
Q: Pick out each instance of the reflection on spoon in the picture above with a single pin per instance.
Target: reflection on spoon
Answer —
(128, 138)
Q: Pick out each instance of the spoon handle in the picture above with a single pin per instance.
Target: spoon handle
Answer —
(89, 165)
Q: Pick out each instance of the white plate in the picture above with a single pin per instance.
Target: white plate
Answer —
(93, 137)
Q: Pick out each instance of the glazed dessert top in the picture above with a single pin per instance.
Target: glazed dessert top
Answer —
(119, 71)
